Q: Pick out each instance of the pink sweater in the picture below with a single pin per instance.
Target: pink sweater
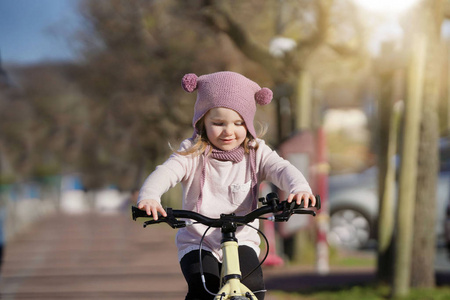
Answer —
(227, 189)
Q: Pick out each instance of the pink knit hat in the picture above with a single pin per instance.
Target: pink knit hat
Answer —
(229, 90)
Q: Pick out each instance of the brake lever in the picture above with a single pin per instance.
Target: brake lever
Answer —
(282, 217)
(304, 212)
(285, 215)
(146, 223)
(170, 219)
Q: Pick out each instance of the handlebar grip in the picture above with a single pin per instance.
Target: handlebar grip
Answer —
(301, 205)
(138, 213)
(318, 205)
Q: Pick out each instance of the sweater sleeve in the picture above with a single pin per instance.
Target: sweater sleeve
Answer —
(165, 176)
(281, 172)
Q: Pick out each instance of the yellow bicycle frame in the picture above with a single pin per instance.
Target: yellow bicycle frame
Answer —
(231, 285)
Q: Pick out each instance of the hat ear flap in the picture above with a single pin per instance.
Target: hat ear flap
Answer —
(263, 96)
(189, 82)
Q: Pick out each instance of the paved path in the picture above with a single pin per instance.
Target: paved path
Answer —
(112, 257)
(92, 257)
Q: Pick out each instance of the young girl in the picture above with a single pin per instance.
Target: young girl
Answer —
(219, 169)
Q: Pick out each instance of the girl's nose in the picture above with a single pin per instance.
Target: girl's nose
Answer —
(228, 130)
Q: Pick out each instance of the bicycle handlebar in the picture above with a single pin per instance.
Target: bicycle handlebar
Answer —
(271, 204)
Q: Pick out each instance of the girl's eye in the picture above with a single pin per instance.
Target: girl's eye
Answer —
(239, 123)
(217, 124)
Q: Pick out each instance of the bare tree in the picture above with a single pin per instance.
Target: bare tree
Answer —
(319, 30)
(135, 54)
(423, 252)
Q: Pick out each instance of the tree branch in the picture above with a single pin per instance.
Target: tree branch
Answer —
(221, 20)
(320, 35)
(447, 9)
(218, 18)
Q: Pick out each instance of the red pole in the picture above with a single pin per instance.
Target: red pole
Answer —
(273, 259)
(322, 219)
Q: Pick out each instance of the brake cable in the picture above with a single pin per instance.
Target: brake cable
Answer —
(251, 272)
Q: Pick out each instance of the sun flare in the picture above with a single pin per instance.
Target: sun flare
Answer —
(386, 6)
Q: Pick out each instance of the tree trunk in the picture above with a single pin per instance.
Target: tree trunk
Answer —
(387, 184)
(408, 169)
(422, 268)
(391, 72)
(423, 252)
(384, 259)
(303, 105)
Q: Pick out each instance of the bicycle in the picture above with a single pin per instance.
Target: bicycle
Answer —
(231, 287)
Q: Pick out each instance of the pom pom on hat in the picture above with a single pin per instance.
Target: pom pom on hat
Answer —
(263, 96)
(189, 82)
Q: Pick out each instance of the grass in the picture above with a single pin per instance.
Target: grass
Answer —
(305, 257)
(348, 260)
(306, 254)
(366, 293)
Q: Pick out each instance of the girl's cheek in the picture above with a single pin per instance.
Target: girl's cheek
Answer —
(214, 132)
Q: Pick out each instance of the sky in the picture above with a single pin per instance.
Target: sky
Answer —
(33, 31)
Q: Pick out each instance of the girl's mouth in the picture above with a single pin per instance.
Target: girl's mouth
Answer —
(227, 140)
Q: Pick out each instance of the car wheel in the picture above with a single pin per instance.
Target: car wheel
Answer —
(349, 229)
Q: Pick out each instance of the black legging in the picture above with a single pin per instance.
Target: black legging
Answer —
(190, 266)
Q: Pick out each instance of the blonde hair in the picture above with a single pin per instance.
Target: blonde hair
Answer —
(201, 141)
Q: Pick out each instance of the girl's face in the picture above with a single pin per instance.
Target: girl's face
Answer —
(225, 128)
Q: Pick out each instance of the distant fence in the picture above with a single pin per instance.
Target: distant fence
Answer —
(23, 204)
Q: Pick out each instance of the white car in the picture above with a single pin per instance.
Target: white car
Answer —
(353, 202)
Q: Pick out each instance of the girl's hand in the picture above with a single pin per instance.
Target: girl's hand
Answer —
(305, 196)
(152, 207)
